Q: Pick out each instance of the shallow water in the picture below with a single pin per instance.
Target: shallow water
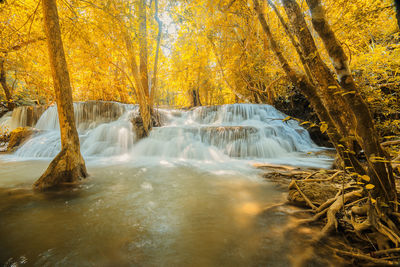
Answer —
(170, 215)
(185, 196)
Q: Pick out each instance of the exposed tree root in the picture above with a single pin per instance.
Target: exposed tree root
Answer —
(368, 224)
(304, 196)
(66, 169)
(363, 257)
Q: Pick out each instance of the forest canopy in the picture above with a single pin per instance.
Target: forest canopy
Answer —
(312, 92)
(214, 47)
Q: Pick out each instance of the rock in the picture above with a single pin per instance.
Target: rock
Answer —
(3, 109)
(137, 123)
(19, 136)
(317, 192)
(297, 106)
(138, 128)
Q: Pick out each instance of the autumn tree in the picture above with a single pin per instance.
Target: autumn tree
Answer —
(68, 166)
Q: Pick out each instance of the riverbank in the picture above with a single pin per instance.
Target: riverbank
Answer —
(337, 209)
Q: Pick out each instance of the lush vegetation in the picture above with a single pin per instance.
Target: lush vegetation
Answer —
(343, 56)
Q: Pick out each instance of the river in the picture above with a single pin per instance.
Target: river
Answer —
(185, 196)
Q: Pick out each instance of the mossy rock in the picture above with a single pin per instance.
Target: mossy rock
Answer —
(317, 192)
(19, 136)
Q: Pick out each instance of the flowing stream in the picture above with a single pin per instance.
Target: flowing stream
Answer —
(185, 196)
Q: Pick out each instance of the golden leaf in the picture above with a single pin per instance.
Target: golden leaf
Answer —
(366, 178)
(369, 186)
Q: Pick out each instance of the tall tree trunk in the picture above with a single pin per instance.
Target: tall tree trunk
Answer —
(3, 82)
(397, 4)
(144, 107)
(364, 129)
(68, 166)
(154, 79)
(144, 74)
(309, 90)
(319, 70)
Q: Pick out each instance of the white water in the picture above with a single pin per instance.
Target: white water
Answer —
(208, 134)
(184, 196)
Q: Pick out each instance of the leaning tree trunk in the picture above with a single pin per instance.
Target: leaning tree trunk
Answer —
(68, 166)
(309, 90)
(364, 130)
(3, 82)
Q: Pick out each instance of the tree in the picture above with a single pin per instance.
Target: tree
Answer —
(6, 88)
(397, 3)
(344, 111)
(68, 166)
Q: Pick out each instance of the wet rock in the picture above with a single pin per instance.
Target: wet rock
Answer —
(317, 192)
(27, 115)
(296, 105)
(19, 136)
(137, 123)
(3, 109)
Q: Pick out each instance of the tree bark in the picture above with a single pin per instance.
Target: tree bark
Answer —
(309, 90)
(154, 79)
(3, 82)
(364, 128)
(319, 70)
(397, 4)
(68, 166)
(143, 101)
(144, 74)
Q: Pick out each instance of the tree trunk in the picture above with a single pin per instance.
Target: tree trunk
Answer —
(397, 4)
(154, 79)
(195, 98)
(3, 82)
(144, 74)
(68, 166)
(144, 107)
(319, 70)
(364, 129)
(309, 90)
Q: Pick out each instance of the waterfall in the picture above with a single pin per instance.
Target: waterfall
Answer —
(244, 131)
(104, 130)
(21, 117)
(217, 133)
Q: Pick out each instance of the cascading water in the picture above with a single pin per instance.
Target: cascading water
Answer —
(186, 195)
(218, 133)
(21, 117)
(104, 130)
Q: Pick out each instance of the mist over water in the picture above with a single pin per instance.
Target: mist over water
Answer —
(185, 196)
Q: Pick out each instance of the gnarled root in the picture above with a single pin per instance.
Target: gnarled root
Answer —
(333, 210)
(67, 168)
